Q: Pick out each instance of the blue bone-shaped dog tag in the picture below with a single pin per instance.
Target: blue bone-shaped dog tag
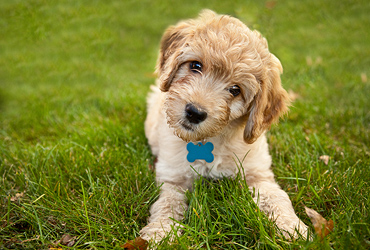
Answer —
(200, 152)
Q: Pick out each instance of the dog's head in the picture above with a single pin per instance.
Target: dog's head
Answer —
(216, 72)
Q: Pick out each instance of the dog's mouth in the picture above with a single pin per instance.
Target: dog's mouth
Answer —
(193, 123)
(187, 127)
(192, 132)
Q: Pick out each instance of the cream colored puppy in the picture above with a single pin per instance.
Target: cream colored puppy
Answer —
(218, 88)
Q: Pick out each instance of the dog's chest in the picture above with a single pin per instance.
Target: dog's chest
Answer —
(222, 166)
(224, 162)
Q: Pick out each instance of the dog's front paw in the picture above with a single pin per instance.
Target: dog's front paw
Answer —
(293, 229)
(156, 231)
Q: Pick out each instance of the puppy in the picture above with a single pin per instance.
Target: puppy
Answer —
(218, 85)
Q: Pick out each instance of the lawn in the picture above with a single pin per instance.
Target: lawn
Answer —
(73, 156)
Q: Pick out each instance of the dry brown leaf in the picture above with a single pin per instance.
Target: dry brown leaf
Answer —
(66, 240)
(137, 243)
(17, 197)
(152, 167)
(325, 159)
(363, 77)
(270, 4)
(321, 225)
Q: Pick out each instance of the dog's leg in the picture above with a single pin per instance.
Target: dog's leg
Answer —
(276, 204)
(171, 204)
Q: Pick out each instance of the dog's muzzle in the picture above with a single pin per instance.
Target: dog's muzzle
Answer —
(194, 114)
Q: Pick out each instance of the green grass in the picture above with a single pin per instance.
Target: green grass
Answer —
(73, 81)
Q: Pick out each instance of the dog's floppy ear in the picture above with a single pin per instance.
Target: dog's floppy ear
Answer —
(269, 104)
(172, 41)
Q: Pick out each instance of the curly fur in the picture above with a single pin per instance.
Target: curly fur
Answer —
(231, 54)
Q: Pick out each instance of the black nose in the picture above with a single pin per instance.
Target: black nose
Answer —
(194, 115)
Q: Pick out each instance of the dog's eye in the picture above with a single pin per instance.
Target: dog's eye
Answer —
(196, 66)
(234, 90)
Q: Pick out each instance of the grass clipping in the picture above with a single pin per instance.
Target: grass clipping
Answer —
(321, 225)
